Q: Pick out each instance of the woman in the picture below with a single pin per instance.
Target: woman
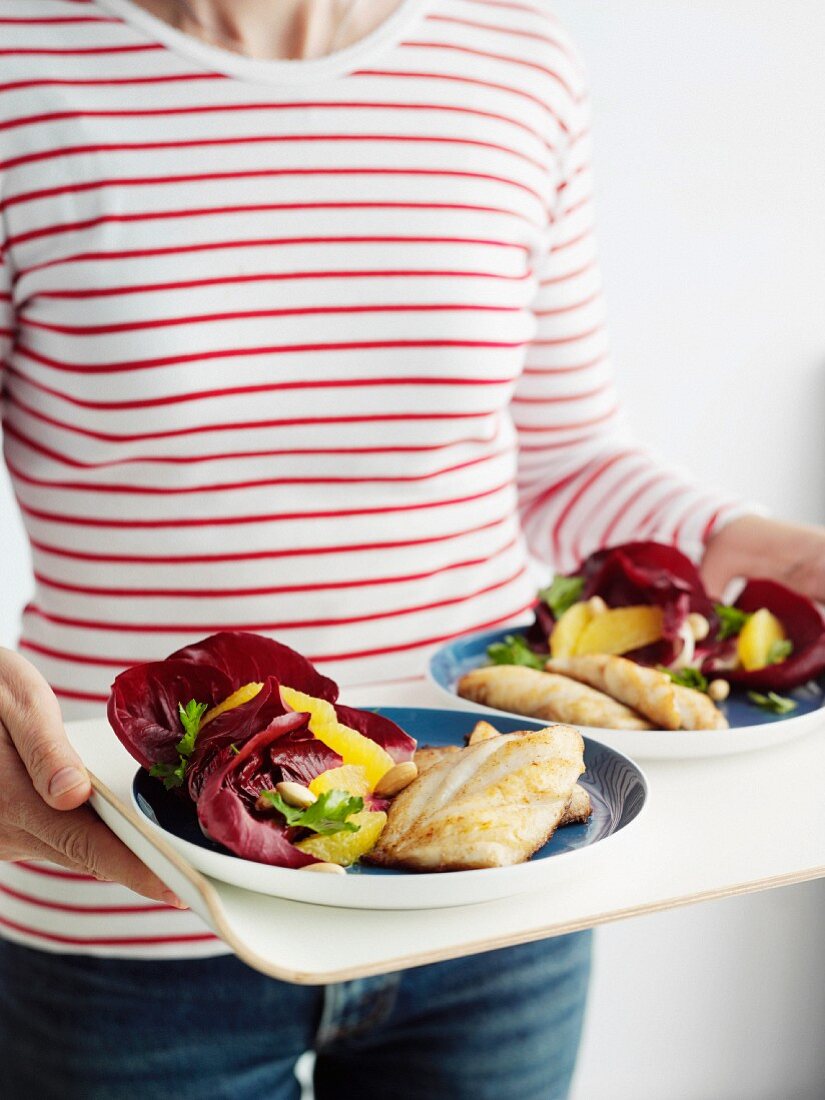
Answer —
(300, 317)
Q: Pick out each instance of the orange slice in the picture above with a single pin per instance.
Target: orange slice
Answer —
(350, 745)
(350, 778)
(757, 637)
(345, 848)
(569, 629)
(620, 629)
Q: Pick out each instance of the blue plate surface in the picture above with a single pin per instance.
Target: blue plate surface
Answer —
(462, 655)
(616, 787)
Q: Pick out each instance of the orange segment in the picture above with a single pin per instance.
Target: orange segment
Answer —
(350, 778)
(759, 634)
(569, 629)
(620, 629)
(346, 848)
(350, 745)
(236, 699)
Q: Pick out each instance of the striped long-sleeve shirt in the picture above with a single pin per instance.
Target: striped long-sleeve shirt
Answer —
(310, 348)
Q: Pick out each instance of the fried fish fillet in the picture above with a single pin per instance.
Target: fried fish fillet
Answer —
(578, 809)
(427, 755)
(482, 731)
(669, 706)
(547, 696)
(488, 805)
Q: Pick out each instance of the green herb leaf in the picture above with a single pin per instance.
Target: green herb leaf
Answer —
(190, 718)
(779, 651)
(328, 814)
(171, 774)
(514, 650)
(687, 677)
(562, 594)
(731, 620)
(776, 704)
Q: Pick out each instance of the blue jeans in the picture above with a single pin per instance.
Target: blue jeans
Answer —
(499, 1026)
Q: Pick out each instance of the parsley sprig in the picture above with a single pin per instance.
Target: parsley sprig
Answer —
(562, 594)
(190, 718)
(687, 677)
(328, 814)
(779, 651)
(514, 650)
(776, 704)
(731, 620)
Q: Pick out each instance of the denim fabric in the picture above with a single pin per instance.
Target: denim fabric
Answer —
(497, 1026)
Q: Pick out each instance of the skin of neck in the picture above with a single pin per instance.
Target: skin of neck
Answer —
(275, 29)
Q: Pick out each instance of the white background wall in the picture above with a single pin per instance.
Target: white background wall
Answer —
(710, 137)
(710, 156)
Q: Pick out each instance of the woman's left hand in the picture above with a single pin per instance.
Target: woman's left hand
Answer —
(755, 546)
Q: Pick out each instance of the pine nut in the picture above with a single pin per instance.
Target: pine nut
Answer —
(396, 779)
(324, 868)
(294, 794)
(699, 626)
(718, 690)
(597, 605)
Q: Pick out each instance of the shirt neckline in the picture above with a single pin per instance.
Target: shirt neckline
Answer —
(279, 71)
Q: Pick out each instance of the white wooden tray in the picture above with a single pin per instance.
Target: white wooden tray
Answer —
(712, 829)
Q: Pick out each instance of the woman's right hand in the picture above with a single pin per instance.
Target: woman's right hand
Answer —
(44, 788)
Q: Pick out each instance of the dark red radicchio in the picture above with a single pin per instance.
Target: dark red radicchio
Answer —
(233, 727)
(286, 749)
(143, 705)
(645, 573)
(247, 658)
(804, 626)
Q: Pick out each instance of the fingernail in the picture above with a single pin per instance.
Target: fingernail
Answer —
(66, 780)
(173, 899)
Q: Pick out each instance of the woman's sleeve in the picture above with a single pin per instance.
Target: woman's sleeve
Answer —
(583, 481)
(6, 313)
(6, 305)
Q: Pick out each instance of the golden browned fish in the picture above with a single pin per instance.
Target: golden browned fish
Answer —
(670, 706)
(491, 804)
(482, 731)
(578, 809)
(547, 696)
(427, 755)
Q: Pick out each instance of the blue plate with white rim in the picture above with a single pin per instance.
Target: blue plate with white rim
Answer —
(751, 727)
(617, 789)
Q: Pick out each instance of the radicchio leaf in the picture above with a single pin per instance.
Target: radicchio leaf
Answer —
(645, 573)
(233, 727)
(247, 658)
(143, 705)
(300, 756)
(804, 626)
(226, 808)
